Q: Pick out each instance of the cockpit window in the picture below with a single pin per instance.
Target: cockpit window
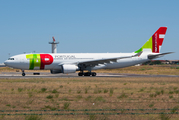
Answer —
(11, 59)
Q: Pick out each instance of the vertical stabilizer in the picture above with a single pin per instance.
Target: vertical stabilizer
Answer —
(155, 41)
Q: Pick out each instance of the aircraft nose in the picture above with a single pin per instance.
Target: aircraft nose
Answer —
(6, 63)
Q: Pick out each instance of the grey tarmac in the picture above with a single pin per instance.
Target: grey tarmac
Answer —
(71, 75)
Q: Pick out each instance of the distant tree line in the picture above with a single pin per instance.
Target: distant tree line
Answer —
(157, 62)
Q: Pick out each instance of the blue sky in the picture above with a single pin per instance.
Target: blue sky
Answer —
(86, 26)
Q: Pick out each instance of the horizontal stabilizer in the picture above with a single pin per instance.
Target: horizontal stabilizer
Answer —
(158, 55)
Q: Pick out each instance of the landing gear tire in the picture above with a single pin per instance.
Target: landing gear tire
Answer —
(93, 74)
(80, 74)
(87, 74)
(23, 74)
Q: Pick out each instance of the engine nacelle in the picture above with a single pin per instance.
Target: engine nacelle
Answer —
(69, 68)
(65, 69)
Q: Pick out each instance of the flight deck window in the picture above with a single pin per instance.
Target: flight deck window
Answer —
(11, 59)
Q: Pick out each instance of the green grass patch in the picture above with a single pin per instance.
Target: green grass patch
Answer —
(177, 91)
(175, 88)
(56, 95)
(69, 90)
(86, 90)
(174, 109)
(123, 95)
(51, 108)
(105, 90)
(43, 89)
(111, 91)
(162, 92)
(151, 105)
(8, 105)
(153, 95)
(20, 89)
(88, 98)
(78, 91)
(79, 96)
(142, 89)
(95, 91)
(92, 117)
(125, 83)
(66, 105)
(142, 69)
(99, 99)
(65, 99)
(157, 92)
(30, 94)
(49, 97)
(171, 96)
(33, 117)
(54, 91)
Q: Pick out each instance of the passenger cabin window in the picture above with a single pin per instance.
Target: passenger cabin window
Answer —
(11, 59)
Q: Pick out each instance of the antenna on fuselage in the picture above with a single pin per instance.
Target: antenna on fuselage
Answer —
(54, 45)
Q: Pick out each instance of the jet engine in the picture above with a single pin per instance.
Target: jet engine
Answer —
(65, 69)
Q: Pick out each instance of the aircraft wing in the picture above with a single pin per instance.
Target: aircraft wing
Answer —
(105, 60)
(158, 55)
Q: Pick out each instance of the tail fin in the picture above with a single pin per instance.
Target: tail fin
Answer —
(155, 42)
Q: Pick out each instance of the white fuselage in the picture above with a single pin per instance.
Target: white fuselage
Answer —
(22, 62)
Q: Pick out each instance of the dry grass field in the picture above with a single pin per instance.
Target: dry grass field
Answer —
(93, 98)
(146, 69)
(89, 98)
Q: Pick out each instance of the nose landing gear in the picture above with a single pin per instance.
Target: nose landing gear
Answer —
(23, 73)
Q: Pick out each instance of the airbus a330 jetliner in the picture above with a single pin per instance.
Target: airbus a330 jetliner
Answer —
(72, 62)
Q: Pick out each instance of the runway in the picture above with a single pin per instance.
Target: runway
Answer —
(71, 75)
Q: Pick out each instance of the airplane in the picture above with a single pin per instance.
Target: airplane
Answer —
(72, 62)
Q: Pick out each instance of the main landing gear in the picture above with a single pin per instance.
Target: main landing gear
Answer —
(86, 73)
(23, 73)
